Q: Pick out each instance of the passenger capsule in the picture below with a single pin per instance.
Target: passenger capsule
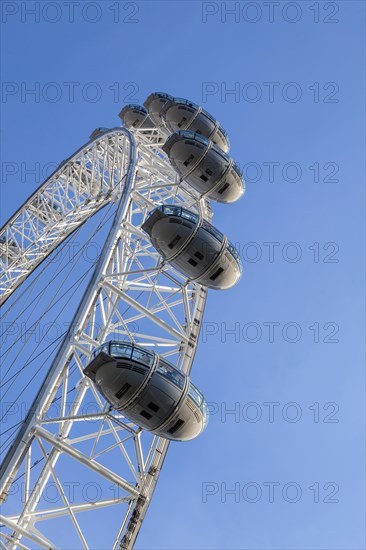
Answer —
(151, 392)
(204, 166)
(136, 116)
(182, 114)
(98, 132)
(154, 104)
(193, 246)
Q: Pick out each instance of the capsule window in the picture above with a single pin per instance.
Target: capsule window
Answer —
(175, 427)
(216, 274)
(143, 356)
(105, 347)
(199, 255)
(192, 262)
(145, 414)
(213, 231)
(167, 209)
(189, 216)
(153, 407)
(189, 160)
(203, 177)
(175, 241)
(223, 188)
(171, 374)
(120, 350)
(195, 394)
(123, 390)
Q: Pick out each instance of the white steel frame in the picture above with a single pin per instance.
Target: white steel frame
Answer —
(133, 294)
(80, 186)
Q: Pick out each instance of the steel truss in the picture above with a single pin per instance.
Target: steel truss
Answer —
(78, 188)
(132, 295)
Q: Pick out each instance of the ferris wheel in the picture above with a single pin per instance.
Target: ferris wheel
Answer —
(130, 346)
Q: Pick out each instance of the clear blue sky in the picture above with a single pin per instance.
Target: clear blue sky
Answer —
(307, 125)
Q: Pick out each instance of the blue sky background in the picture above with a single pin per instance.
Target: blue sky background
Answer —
(170, 48)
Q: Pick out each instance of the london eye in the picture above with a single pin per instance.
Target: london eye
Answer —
(120, 371)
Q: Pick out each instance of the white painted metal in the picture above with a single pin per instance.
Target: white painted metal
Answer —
(80, 186)
(132, 295)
